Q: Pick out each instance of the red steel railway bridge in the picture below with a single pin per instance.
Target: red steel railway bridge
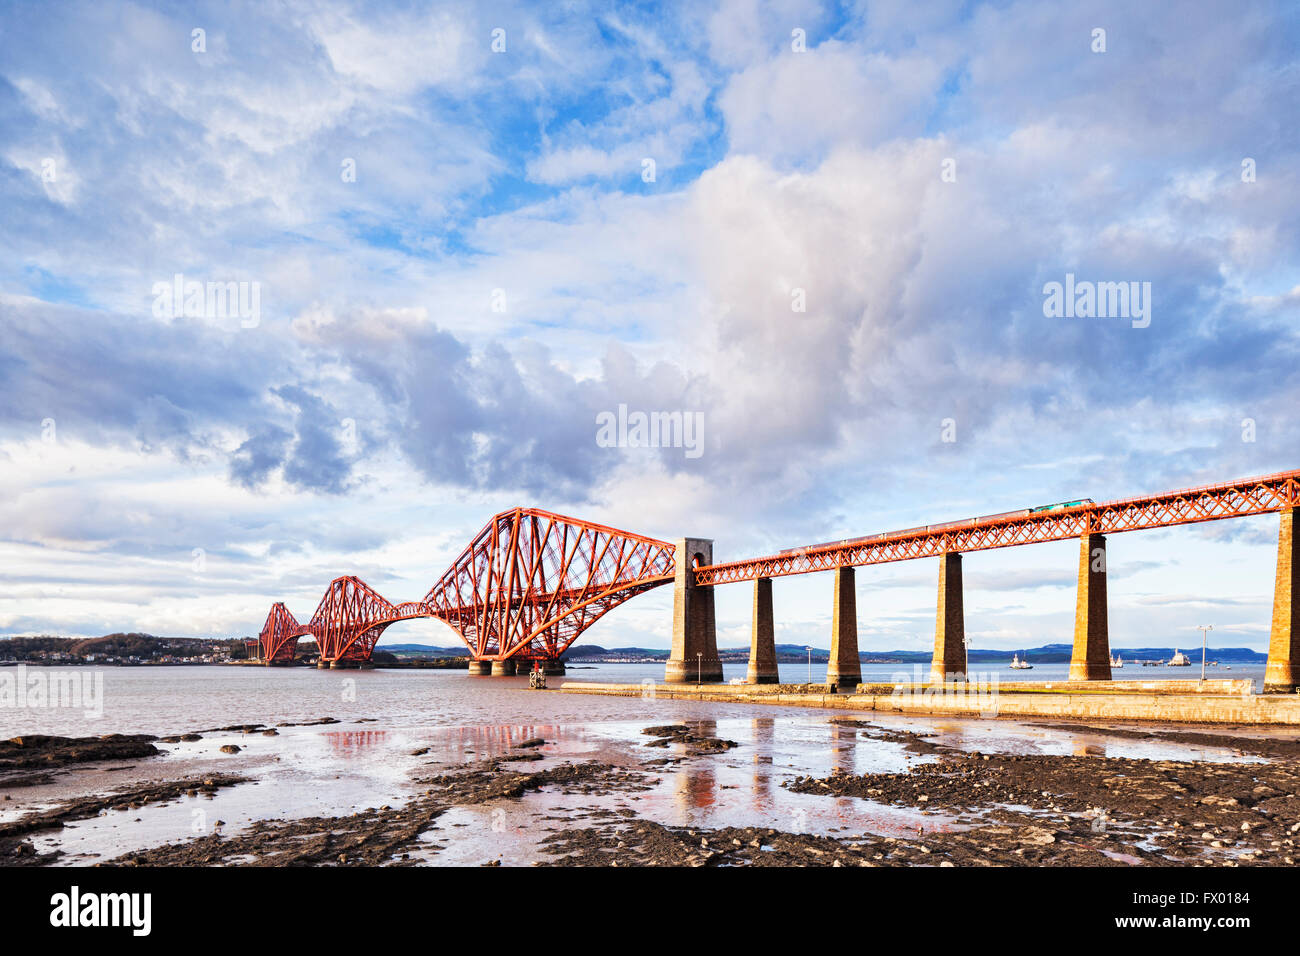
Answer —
(532, 581)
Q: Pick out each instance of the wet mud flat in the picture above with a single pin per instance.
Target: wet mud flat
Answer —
(34, 760)
(30, 759)
(970, 808)
(1009, 810)
(16, 849)
(1090, 810)
(384, 835)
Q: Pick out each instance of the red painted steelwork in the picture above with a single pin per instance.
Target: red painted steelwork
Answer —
(279, 638)
(346, 626)
(1234, 499)
(528, 584)
(351, 617)
(532, 581)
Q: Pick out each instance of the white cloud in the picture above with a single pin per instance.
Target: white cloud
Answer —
(520, 172)
(797, 106)
(398, 53)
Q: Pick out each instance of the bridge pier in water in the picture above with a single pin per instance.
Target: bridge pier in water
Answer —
(1090, 659)
(844, 666)
(694, 656)
(511, 667)
(762, 641)
(1282, 673)
(949, 661)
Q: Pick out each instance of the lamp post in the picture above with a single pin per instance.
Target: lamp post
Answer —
(699, 668)
(1205, 630)
(808, 648)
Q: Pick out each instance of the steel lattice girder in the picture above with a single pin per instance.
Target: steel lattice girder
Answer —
(531, 581)
(279, 638)
(346, 625)
(1236, 499)
(352, 616)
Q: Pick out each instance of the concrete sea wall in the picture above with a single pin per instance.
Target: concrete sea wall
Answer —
(1229, 702)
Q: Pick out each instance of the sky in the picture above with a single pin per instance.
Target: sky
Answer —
(464, 232)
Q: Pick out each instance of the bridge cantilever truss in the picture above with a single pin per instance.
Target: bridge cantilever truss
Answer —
(346, 625)
(526, 586)
(532, 581)
(279, 638)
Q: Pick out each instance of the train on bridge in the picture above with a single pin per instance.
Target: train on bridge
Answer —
(531, 581)
(945, 526)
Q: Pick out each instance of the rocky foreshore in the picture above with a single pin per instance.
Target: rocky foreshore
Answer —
(987, 808)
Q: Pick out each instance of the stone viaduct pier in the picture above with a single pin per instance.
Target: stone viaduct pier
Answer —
(694, 656)
(531, 582)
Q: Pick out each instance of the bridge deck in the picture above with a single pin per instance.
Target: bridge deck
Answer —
(1234, 499)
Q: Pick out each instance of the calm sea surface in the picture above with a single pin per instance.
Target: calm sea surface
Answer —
(168, 700)
(384, 717)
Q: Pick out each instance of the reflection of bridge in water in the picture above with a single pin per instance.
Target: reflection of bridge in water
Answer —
(458, 743)
(350, 743)
(532, 581)
(490, 740)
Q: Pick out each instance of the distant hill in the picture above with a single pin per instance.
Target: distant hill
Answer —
(593, 651)
(424, 650)
(147, 646)
(126, 648)
(1046, 654)
(785, 653)
(1061, 653)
